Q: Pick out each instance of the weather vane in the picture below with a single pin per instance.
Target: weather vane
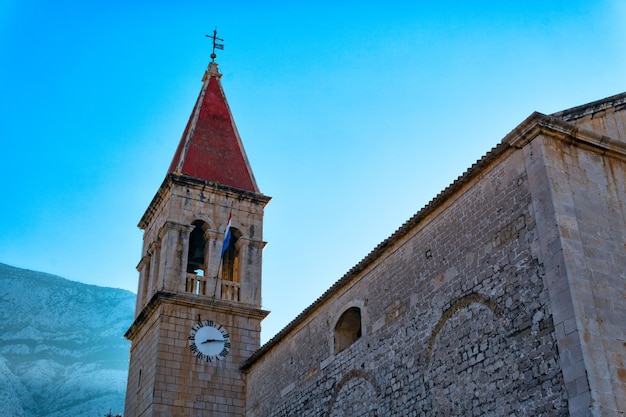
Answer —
(215, 44)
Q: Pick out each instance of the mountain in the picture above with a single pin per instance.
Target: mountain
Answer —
(62, 349)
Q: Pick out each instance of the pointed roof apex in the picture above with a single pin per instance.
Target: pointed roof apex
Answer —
(210, 148)
(211, 71)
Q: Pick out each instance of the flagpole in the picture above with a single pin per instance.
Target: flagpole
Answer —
(225, 244)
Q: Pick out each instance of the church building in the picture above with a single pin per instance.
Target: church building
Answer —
(504, 296)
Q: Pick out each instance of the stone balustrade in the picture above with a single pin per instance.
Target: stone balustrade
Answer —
(212, 286)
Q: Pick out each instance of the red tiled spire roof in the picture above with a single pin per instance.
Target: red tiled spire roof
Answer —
(210, 148)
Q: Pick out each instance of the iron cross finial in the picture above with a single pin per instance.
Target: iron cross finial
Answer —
(215, 44)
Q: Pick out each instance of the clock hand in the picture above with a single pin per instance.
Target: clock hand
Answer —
(211, 340)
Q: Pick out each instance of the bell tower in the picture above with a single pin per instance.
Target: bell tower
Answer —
(198, 313)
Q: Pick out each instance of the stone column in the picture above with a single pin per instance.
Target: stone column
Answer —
(250, 270)
(154, 250)
(142, 288)
(211, 253)
(173, 260)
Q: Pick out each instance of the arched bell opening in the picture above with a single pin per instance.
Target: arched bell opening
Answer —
(196, 255)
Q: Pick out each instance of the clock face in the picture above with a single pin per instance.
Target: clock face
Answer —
(209, 341)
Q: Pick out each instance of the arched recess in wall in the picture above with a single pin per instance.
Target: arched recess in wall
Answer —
(469, 354)
(196, 252)
(348, 328)
(458, 305)
(356, 395)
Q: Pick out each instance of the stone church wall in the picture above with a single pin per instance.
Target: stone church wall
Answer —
(585, 271)
(587, 283)
(455, 320)
(600, 288)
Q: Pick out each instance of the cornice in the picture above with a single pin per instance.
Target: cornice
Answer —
(540, 124)
(189, 300)
(172, 179)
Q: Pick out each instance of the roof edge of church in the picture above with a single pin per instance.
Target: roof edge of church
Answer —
(534, 125)
(577, 112)
(370, 258)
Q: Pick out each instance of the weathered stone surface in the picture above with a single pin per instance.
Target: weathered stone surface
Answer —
(504, 297)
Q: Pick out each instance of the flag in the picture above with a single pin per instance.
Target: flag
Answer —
(227, 235)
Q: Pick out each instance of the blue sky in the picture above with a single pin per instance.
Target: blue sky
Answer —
(354, 115)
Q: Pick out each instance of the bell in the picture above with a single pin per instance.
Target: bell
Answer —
(198, 256)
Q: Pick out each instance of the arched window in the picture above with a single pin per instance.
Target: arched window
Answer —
(195, 254)
(230, 259)
(348, 328)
